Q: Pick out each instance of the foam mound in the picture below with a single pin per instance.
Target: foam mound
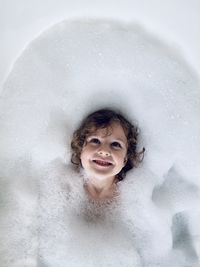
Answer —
(71, 69)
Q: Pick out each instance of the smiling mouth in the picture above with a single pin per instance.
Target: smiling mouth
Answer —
(102, 163)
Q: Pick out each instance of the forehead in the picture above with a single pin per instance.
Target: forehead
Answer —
(114, 130)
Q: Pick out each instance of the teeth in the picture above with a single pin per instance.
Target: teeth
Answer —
(103, 163)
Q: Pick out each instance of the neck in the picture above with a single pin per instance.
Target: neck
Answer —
(101, 184)
(100, 189)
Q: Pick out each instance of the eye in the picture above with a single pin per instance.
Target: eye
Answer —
(116, 145)
(94, 141)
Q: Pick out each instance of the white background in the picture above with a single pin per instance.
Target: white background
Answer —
(175, 21)
(34, 129)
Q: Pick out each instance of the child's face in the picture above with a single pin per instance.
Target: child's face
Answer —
(104, 153)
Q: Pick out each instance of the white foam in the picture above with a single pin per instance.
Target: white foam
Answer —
(68, 71)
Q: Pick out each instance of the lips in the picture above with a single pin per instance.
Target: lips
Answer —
(102, 162)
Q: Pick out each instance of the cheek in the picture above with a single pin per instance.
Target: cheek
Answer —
(120, 159)
(85, 154)
(82, 156)
(123, 159)
(83, 159)
(82, 153)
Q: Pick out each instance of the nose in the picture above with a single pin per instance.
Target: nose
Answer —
(104, 152)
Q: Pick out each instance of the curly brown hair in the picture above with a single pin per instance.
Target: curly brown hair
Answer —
(102, 119)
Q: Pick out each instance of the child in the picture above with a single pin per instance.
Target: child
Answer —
(105, 146)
